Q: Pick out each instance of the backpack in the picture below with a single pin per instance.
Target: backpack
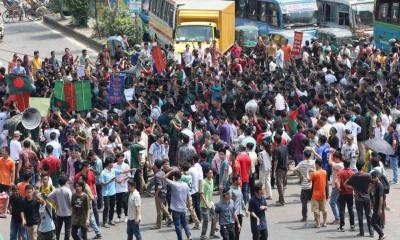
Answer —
(385, 183)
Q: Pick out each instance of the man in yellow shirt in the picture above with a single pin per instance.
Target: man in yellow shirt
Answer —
(36, 63)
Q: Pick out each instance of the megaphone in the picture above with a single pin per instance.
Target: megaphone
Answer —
(31, 118)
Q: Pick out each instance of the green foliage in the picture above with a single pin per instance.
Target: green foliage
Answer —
(113, 23)
(79, 10)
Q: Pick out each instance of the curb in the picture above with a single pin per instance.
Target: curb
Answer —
(95, 45)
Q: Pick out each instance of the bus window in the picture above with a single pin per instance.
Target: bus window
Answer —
(252, 10)
(272, 15)
(395, 12)
(262, 10)
(383, 11)
(344, 15)
(171, 15)
(241, 6)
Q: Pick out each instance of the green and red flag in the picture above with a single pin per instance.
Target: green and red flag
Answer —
(72, 96)
(18, 84)
(290, 122)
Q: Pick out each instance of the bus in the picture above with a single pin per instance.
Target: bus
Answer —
(274, 16)
(346, 18)
(387, 23)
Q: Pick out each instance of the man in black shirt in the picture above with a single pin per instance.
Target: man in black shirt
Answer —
(377, 204)
(280, 158)
(257, 208)
(360, 183)
(30, 212)
(15, 206)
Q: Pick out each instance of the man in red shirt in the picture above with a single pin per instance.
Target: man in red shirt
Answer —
(245, 167)
(53, 165)
(345, 195)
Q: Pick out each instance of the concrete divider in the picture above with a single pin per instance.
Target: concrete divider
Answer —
(70, 32)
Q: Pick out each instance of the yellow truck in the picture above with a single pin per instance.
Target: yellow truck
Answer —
(181, 22)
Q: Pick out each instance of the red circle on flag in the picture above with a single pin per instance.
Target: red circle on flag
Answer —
(19, 83)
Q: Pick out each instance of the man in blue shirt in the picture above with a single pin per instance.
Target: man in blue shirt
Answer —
(257, 208)
(225, 209)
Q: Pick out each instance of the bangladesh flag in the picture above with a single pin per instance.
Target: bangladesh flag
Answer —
(72, 96)
(290, 122)
(18, 84)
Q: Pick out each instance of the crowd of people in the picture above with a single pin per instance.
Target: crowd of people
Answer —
(235, 123)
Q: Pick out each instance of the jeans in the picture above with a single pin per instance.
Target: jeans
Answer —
(17, 229)
(333, 202)
(99, 196)
(237, 230)
(260, 234)
(122, 203)
(227, 231)
(133, 230)
(343, 201)
(208, 214)
(377, 223)
(108, 211)
(83, 232)
(95, 211)
(93, 224)
(67, 221)
(361, 207)
(305, 197)
(196, 204)
(245, 192)
(179, 219)
(265, 179)
(280, 177)
(394, 161)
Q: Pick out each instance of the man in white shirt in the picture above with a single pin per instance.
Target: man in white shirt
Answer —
(187, 56)
(330, 78)
(187, 131)
(48, 131)
(57, 150)
(280, 103)
(15, 146)
(121, 186)
(196, 171)
(134, 213)
(279, 58)
(146, 51)
(352, 127)
(4, 114)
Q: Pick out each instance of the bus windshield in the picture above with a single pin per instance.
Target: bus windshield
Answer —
(363, 14)
(193, 34)
(306, 18)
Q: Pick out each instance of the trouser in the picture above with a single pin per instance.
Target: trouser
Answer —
(237, 230)
(93, 224)
(180, 222)
(280, 183)
(361, 150)
(99, 196)
(17, 229)
(227, 231)
(208, 213)
(132, 229)
(108, 211)
(394, 165)
(46, 235)
(343, 201)
(83, 232)
(364, 207)
(333, 202)
(192, 212)
(251, 184)
(67, 221)
(139, 180)
(377, 223)
(196, 204)
(122, 199)
(161, 209)
(260, 234)
(32, 232)
(245, 192)
(265, 179)
(95, 212)
(305, 197)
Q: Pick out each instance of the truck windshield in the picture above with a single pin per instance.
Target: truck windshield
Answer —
(250, 35)
(363, 14)
(194, 34)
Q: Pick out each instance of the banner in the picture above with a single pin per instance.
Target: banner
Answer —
(158, 59)
(116, 92)
(41, 104)
(297, 40)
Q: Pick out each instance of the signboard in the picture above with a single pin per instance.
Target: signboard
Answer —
(116, 92)
(297, 40)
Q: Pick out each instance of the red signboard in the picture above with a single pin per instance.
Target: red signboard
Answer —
(297, 40)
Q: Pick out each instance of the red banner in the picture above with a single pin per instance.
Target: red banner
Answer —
(70, 96)
(297, 40)
(158, 59)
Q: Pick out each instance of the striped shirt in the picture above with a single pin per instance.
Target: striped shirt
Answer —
(304, 167)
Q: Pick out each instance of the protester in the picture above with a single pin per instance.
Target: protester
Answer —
(134, 211)
(345, 195)
(80, 205)
(318, 198)
(257, 208)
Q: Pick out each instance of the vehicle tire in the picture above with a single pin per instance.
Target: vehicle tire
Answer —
(8, 16)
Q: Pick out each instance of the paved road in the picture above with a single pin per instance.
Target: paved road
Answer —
(25, 37)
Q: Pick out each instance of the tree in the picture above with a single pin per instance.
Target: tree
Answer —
(79, 10)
